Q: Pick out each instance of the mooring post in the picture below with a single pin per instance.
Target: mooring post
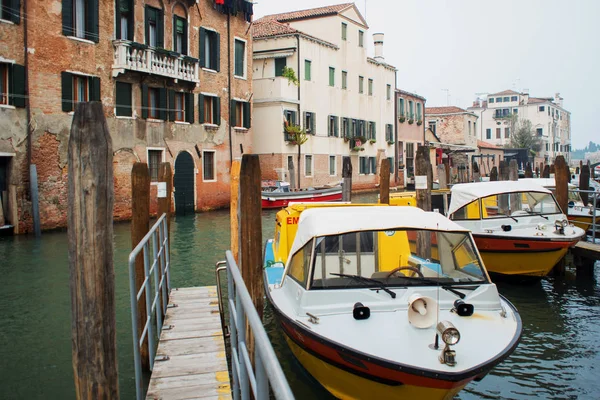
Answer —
(584, 183)
(384, 182)
(347, 179)
(552, 168)
(140, 223)
(423, 194)
(561, 178)
(291, 175)
(90, 233)
(250, 235)
(476, 173)
(528, 171)
(537, 172)
(165, 177)
(441, 171)
(503, 173)
(546, 172)
(494, 174)
(233, 209)
(513, 175)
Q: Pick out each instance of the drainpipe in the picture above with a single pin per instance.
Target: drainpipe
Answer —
(395, 127)
(299, 108)
(27, 106)
(229, 78)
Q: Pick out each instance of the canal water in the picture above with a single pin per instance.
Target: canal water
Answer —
(558, 357)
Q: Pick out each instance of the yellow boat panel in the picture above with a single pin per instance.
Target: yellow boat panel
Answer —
(535, 264)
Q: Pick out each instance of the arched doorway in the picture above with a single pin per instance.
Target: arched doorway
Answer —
(184, 184)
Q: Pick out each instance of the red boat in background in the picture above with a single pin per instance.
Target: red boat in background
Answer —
(277, 194)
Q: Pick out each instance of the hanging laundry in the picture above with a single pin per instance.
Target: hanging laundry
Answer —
(220, 2)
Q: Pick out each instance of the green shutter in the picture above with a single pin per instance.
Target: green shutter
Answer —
(189, 107)
(17, 88)
(331, 76)
(216, 64)
(144, 101)
(91, 23)
(15, 12)
(217, 111)
(294, 117)
(185, 39)
(336, 123)
(280, 64)
(123, 98)
(246, 115)
(239, 58)
(313, 123)
(232, 120)
(120, 6)
(171, 105)
(201, 119)
(175, 28)
(67, 20)
(148, 13)
(201, 46)
(94, 83)
(307, 65)
(329, 133)
(67, 91)
(375, 130)
(162, 103)
(160, 29)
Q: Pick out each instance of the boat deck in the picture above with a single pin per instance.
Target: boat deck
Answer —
(191, 360)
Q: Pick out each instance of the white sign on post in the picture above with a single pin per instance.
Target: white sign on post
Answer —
(162, 189)
(420, 181)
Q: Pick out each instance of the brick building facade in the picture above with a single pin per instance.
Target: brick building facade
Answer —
(411, 133)
(170, 91)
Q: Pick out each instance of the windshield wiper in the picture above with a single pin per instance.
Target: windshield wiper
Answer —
(536, 213)
(445, 286)
(367, 280)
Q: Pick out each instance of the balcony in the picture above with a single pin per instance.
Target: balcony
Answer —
(141, 58)
(274, 89)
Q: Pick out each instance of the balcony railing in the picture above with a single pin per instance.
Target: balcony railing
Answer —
(141, 58)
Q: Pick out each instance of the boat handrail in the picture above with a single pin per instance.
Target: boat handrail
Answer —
(155, 289)
(241, 309)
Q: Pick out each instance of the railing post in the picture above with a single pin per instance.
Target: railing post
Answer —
(262, 382)
(241, 324)
(233, 329)
(157, 277)
(147, 289)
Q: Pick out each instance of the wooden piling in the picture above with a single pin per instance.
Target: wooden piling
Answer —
(552, 168)
(441, 172)
(528, 171)
(422, 168)
(90, 233)
(546, 172)
(503, 173)
(494, 174)
(476, 173)
(513, 175)
(140, 224)
(250, 236)
(233, 208)
(384, 181)
(584, 183)
(537, 172)
(291, 175)
(346, 179)
(165, 174)
(561, 178)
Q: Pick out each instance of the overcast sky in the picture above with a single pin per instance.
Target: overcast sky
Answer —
(484, 46)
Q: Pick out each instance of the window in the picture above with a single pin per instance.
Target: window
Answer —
(209, 108)
(344, 30)
(210, 49)
(419, 111)
(155, 157)
(515, 110)
(332, 166)
(240, 114)
(308, 165)
(300, 264)
(469, 128)
(505, 112)
(411, 109)
(124, 20)
(12, 84)
(280, 64)
(290, 119)
(401, 107)
(388, 92)
(540, 131)
(389, 133)
(498, 133)
(506, 99)
(488, 133)
(345, 128)
(309, 122)
(370, 87)
(410, 158)
(514, 98)
(474, 128)
(360, 84)
(307, 71)
(547, 146)
(80, 19)
(181, 106)
(498, 99)
(363, 166)
(331, 76)
(180, 35)
(78, 88)
(208, 166)
(372, 134)
(491, 100)
(432, 126)
(240, 58)
(372, 165)
(361, 39)
(154, 27)
(123, 98)
(344, 80)
(506, 133)
(333, 126)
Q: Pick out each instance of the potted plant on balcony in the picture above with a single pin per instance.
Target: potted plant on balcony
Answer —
(419, 122)
(390, 142)
(356, 144)
(290, 74)
(411, 121)
(402, 119)
(372, 141)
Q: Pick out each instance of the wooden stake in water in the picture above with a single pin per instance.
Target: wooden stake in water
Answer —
(384, 181)
(423, 168)
(92, 278)
(347, 179)
(561, 178)
(584, 182)
(233, 209)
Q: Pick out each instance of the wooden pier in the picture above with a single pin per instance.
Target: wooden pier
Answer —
(191, 360)
(586, 254)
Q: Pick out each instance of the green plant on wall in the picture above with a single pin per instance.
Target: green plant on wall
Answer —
(290, 74)
(296, 136)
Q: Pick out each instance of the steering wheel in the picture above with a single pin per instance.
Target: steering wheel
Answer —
(397, 269)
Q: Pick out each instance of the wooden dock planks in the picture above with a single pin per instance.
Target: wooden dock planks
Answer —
(196, 367)
(587, 250)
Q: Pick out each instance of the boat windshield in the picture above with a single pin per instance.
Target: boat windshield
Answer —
(399, 257)
(509, 205)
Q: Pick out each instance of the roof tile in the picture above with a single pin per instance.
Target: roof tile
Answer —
(444, 110)
(309, 13)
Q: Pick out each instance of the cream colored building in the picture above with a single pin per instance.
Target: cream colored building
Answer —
(344, 97)
(550, 121)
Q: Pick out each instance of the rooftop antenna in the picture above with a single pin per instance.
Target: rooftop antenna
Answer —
(447, 96)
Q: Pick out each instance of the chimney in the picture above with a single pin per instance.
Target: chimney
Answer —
(558, 99)
(378, 41)
(525, 96)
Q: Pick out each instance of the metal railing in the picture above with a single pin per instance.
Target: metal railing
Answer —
(155, 282)
(241, 309)
(593, 197)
